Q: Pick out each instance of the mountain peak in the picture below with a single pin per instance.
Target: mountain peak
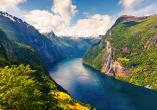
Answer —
(130, 18)
(5, 14)
(13, 18)
(50, 34)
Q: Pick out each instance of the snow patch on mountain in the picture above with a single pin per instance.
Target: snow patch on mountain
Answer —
(7, 16)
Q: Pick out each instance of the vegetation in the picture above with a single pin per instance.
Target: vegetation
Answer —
(17, 53)
(20, 89)
(95, 57)
(134, 44)
(29, 87)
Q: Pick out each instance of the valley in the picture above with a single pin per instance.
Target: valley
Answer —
(25, 56)
(60, 58)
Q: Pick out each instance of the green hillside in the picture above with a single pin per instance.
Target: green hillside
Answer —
(133, 43)
(28, 85)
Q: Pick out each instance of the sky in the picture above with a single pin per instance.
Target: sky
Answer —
(77, 18)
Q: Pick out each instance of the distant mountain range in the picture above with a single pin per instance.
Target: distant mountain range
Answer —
(128, 51)
(70, 46)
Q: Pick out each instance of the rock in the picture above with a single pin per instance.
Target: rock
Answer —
(119, 69)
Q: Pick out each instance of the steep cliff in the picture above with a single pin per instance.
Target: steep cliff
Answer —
(17, 53)
(128, 51)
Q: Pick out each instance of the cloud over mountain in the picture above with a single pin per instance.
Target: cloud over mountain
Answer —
(63, 17)
(138, 7)
(57, 20)
(60, 17)
(94, 25)
(129, 3)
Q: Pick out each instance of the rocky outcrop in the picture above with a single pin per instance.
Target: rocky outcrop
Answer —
(111, 67)
(118, 69)
(108, 57)
(151, 43)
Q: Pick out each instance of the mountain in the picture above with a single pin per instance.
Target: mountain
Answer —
(49, 47)
(16, 53)
(128, 51)
(70, 46)
(29, 86)
(21, 32)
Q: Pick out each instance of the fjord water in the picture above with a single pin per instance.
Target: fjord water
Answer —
(99, 90)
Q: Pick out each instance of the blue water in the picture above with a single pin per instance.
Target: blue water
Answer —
(99, 90)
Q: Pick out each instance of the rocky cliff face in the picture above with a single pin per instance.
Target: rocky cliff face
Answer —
(108, 55)
(111, 67)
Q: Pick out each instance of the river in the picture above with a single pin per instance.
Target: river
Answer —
(99, 90)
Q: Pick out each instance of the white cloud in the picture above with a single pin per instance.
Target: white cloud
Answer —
(126, 3)
(46, 21)
(65, 9)
(93, 26)
(138, 7)
(144, 11)
(7, 4)
(11, 6)
(42, 20)
(59, 21)
(129, 3)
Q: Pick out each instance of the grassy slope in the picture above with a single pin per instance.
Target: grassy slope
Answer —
(12, 53)
(138, 38)
(94, 57)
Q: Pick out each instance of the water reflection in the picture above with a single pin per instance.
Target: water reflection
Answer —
(105, 93)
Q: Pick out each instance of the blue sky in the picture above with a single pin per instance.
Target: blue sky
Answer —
(109, 7)
(93, 6)
(76, 17)
(36, 4)
(98, 6)
(85, 8)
